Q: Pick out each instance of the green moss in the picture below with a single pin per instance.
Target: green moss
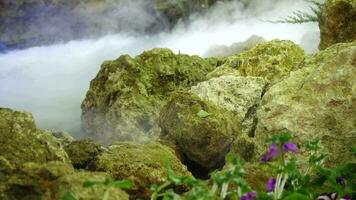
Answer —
(21, 142)
(272, 60)
(141, 163)
(83, 153)
(203, 140)
(124, 99)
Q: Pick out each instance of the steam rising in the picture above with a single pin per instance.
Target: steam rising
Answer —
(51, 81)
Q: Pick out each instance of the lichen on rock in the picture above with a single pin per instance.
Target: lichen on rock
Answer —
(21, 141)
(318, 100)
(238, 94)
(272, 60)
(204, 139)
(143, 163)
(124, 99)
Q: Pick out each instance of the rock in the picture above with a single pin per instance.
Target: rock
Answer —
(74, 183)
(84, 153)
(318, 100)
(337, 22)
(22, 142)
(245, 147)
(52, 180)
(236, 48)
(125, 97)
(202, 132)
(238, 94)
(272, 60)
(257, 175)
(144, 164)
(63, 137)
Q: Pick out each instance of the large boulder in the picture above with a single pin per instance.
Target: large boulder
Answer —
(337, 22)
(21, 141)
(318, 100)
(238, 94)
(52, 180)
(272, 60)
(144, 164)
(124, 99)
(202, 132)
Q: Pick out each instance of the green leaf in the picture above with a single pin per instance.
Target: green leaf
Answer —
(88, 184)
(69, 196)
(296, 196)
(203, 114)
(123, 184)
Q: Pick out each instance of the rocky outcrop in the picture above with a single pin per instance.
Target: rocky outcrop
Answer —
(235, 48)
(124, 99)
(337, 22)
(21, 141)
(318, 100)
(272, 60)
(144, 164)
(202, 131)
(238, 94)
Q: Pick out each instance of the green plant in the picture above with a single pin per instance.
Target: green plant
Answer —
(108, 183)
(299, 17)
(290, 183)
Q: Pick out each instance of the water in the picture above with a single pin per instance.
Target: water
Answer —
(51, 81)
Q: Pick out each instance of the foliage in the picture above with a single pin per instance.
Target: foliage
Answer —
(291, 182)
(108, 183)
(299, 17)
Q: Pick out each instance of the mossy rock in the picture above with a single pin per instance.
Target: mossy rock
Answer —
(238, 94)
(143, 163)
(272, 60)
(316, 101)
(74, 183)
(124, 99)
(337, 22)
(21, 141)
(84, 153)
(201, 131)
(52, 180)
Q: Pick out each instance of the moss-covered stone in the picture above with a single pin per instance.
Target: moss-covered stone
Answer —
(202, 132)
(337, 22)
(84, 153)
(144, 164)
(125, 97)
(74, 183)
(21, 141)
(52, 180)
(272, 60)
(245, 147)
(318, 100)
(238, 94)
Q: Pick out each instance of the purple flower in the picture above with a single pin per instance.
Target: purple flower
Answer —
(271, 184)
(289, 146)
(347, 197)
(272, 153)
(249, 196)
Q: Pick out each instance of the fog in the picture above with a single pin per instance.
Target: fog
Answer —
(51, 81)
